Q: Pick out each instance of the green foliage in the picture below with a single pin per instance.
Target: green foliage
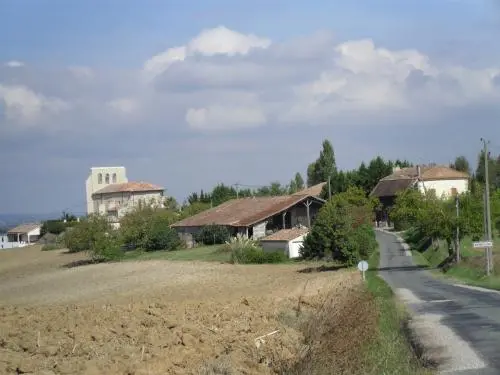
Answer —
(461, 164)
(213, 235)
(106, 246)
(244, 250)
(324, 167)
(149, 229)
(86, 233)
(52, 226)
(342, 228)
(159, 236)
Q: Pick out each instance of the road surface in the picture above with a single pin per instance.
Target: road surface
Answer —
(462, 323)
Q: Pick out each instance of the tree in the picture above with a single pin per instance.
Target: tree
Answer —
(461, 164)
(159, 235)
(299, 181)
(324, 167)
(342, 228)
(213, 235)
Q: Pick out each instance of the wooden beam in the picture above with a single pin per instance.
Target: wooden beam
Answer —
(283, 216)
(308, 203)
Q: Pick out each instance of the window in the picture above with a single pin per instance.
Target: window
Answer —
(114, 178)
(454, 192)
(107, 178)
(99, 178)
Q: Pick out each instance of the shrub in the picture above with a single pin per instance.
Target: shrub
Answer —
(84, 235)
(106, 246)
(213, 235)
(159, 236)
(342, 229)
(148, 228)
(53, 226)
(247, 251)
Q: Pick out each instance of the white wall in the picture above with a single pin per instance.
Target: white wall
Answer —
(443, 188)
(126, 202)
(94, 183)
(290, 248)
(259, 230)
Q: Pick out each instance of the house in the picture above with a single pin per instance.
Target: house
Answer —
(110, 193)
(22, 235)
(290, 241)
(443, 181)
(254, 217)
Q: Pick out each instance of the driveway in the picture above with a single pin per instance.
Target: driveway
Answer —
(461, 324)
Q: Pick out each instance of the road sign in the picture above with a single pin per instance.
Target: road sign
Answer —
(363, 266)
(482, 244)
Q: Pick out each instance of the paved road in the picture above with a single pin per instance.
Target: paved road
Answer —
(465, 320)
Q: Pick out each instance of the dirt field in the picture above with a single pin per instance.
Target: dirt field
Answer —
(151, 317)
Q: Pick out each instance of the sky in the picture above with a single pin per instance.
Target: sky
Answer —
(187, 94)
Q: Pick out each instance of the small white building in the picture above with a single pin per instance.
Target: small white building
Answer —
(290, 241)
(20, 236)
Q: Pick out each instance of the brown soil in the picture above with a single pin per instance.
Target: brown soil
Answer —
(159, 317)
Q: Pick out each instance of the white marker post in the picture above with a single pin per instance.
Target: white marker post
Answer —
(363, 267)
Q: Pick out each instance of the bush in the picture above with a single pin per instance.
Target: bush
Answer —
(342, 229)
(84, 235)
(247, 251)
(159, 236)
(53, 226)
(149, 229)
(213, 235)
(106, 246)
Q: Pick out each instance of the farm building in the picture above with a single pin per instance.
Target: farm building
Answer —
(22, 235)
(290, 241)
(254, 217)
(441, 180)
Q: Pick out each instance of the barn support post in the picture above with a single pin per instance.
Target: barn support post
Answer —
(308, 204)
(283, 217)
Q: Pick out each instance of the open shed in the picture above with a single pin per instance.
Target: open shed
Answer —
(290, 241)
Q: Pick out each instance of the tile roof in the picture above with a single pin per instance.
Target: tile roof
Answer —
(389, 188)
(314, 190)
(24, 228)
(244, 212)
(286, 234)
(129, 187)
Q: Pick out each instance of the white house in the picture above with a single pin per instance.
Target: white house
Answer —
(20, 236)
(109, 193)
(290, 241)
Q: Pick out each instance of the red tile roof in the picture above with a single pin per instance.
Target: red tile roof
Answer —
(286, 234)
(244, 212)
(314, 190)
(129, 187)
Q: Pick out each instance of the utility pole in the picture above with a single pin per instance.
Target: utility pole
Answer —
(329, 187)
(487, 203)
(457, 203)
(237, 190)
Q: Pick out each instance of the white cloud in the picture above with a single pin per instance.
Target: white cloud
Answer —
(218, 117)
(27, 107)
(210, 42)
(124, 105)
(14, 64)
(226, 80)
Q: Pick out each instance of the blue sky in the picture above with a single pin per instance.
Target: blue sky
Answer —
(76, 89)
